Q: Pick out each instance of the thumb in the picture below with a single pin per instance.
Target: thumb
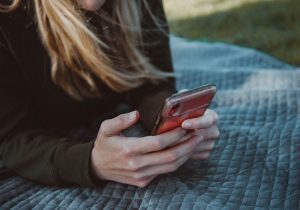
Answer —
(114, 126)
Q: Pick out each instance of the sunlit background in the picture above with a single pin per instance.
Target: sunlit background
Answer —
(272, 26)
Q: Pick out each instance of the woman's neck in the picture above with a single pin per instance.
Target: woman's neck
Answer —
(91, 5)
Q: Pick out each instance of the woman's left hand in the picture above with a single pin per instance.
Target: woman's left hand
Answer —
(207, 130)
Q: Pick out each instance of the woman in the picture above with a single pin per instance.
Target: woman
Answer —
(65, 63)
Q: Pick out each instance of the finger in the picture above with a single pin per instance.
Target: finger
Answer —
(205, 146)
(187, 136)
(208, 133)
(153, 171)
(155, 143)
(129, 179)
(212, 113)
(201, 156)
(114, 126)
(144, 182)
(171, 154)
(165, 168)
(207, 120)
(135, 161)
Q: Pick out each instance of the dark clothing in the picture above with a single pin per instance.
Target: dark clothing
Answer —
(33, 110)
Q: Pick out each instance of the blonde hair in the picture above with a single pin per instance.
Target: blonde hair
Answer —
(79, 57)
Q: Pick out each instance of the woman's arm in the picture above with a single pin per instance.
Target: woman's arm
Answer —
(33, 153)
(25, 146)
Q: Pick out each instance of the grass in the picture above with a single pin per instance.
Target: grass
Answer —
(271, 26)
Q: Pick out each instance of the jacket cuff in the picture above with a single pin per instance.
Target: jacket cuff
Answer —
(74, 165)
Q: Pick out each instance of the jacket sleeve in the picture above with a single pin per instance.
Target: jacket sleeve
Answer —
(28, 149)
(149, 98)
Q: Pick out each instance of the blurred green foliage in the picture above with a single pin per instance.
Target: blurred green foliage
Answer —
(272, 26)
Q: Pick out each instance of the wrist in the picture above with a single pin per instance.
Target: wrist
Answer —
(95, 168)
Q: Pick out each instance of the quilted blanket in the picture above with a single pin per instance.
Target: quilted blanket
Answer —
(254, 165)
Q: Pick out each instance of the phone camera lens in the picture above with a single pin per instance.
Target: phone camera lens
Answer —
(175, 110)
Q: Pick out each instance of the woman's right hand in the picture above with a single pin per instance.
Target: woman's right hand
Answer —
(137, 161)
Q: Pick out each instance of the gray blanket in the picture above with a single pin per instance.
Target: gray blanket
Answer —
(255, 163)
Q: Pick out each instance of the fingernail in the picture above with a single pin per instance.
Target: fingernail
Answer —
(132, 116)
(187, 125)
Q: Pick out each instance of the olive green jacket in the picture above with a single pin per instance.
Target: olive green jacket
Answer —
(33, 110)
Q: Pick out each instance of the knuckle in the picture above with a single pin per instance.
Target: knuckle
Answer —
(119, 121)
(210, 120)
(171, 157)
(125, 151)
(157, 145)
(137, 176)
(142, 183)
(133, 165)
(104, 126)
(217, 133)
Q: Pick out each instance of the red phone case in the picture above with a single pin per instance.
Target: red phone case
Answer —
(181, 106)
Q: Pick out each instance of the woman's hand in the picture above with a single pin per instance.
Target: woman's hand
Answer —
(206, 130)
(137, 161)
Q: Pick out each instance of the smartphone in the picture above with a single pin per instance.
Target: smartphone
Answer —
(182, 106)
